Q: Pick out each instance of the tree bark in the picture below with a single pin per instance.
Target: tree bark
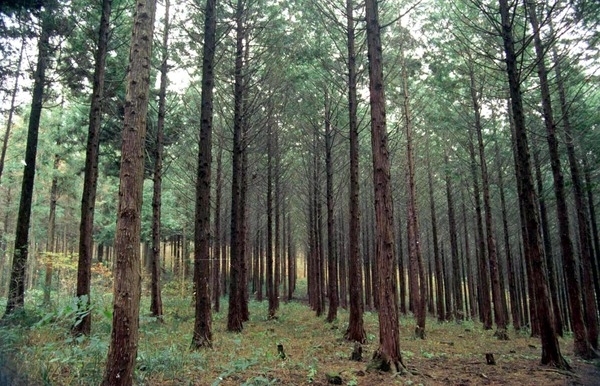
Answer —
(16, 291)
(122, 351)
(356, 330)
(155, 291)
(582, 345)
(235, 313)
(439, 278)
(531, 238)
(217, 239)
(499, 311)
(332, 264)
(202, 335)
(388, 351)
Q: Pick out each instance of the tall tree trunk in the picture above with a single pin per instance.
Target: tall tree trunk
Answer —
(471, 276)
(202, 335)
(270, 274)
(594, 223)
(458, 298)
(332, 264)
(590, 275)
(155, 291)
(235, 313)
(388, 353)
(11, 110)
(547, 241)
(483, 272)
(582, 344)
(512, 283)
(415, 265)
(50, 244)
(16, 291)
(217, 239)
(439, 278)
(277, 210)
(90, 179)
(533, 251)
(499, 311)
(122, 351)
(291, 258)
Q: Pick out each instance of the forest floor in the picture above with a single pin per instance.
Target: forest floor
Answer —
(452, 354)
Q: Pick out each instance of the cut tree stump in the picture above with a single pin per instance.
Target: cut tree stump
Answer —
(280, 351)
(356, 353)
(489, 358)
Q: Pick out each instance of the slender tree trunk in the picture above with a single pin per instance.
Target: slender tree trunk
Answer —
(277, 209)
(533, 251)
(50, 244)
(512, 283)
(217, 239)
(582, 345)
(547, 241)
(388, 353)
(471, 277)
(16, 291)
(11, 110)
(414, 246)
(90, 179)
(332, 264)
(458, 298)
(291, 258)
(483, 272)
(594, 224)
(439, 279)
(155, 291)
(122, 351)
(270, 274)
(235, 313)
(202, 335)
(499, 311)
(590, 276)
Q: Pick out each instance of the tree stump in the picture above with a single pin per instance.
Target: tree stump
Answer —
(333, 378)
(489, 358)
(280, 351)
(356, 353)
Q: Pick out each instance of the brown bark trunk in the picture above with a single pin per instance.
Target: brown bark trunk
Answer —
(88, 199)
(356, 330)
(471, 277)
(439, 278)
(332, 264)
(235, 315)
(499, 310)
(122, 351)
(270, 274)
(512, 283)
(483, 289)
(550, 347)
(590, 276)
(155, 291)
(50, 244)
(216, 257)
(202, 335)
(457, 289)
(582, 345)
(16, 291)
(388, 351)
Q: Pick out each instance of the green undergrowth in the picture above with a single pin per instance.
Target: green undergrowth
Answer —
(39, 344)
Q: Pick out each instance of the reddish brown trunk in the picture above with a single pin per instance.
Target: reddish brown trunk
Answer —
(202, 335)
(532, 238)
(122, 351)
(388, 351)
(356, 330)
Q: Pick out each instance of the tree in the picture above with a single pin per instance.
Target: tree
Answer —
(202, 326)
(387, 355)
(90, 178)
(332, 264)
(531, 236)
(356, 329)
(155, 295)
(16, 292)
(582, 344)
(122, 351)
